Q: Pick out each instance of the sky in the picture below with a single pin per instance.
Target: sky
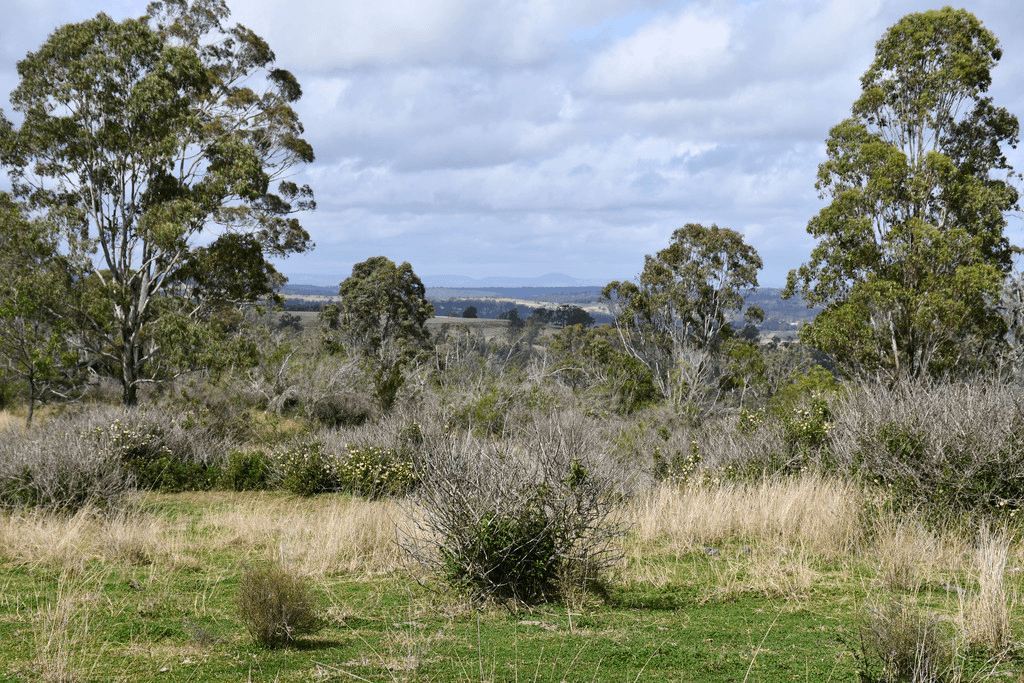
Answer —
(517, 138)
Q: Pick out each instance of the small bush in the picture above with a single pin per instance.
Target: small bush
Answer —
(310, 468)
(156, 462)
(345, 409)
(276, 606)
(374, 472)
(307, 470)
(246, 470)
(899, 644)
(509, 521)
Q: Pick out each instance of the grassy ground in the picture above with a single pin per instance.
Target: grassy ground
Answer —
(764, 582)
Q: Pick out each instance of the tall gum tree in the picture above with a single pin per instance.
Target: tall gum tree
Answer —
(675, 318)
(156, 142)
(911, 254)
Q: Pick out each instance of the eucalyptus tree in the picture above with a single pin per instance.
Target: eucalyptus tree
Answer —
(155, 144)
(381, 317)
(673, 320)
(911, 254)
(35, 343)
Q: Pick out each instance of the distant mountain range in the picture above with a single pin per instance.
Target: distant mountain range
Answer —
(463, 281)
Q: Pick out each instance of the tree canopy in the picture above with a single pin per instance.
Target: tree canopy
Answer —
(676, 315)
(911, 253)
(154, 144)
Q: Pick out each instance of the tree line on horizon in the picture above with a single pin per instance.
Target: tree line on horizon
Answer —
(150, 188)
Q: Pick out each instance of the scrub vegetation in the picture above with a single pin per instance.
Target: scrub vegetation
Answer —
(191, 491)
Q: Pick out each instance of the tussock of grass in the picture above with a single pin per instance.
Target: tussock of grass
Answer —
(985, 613)
(9, 420)
(819, 514)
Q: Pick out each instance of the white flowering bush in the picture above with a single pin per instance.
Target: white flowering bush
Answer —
(309, 468)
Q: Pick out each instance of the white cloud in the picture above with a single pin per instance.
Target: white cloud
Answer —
(668, 55)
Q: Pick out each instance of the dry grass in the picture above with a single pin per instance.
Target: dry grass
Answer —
(771, 573)
(985, 614)
(323, 535)
(909, 554)
(61, 626)
(818, 514)
(42, 537)
(10, 421)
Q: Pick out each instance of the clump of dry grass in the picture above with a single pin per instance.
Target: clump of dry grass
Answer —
(322, 535)
(985, 614)
(817, 513)
(771, 573)
(10, 421)
(59, 627)
(909, 553)
(43, 537)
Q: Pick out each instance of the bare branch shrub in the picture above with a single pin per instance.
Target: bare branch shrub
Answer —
(507, 520)
(62, 464)
(945, 446)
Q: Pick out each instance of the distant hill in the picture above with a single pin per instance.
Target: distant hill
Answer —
(781, 316)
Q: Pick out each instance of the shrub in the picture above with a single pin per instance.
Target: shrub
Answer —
(156, 461)
(507, 521)
(345, 409)
(313, 467)
(62, 465)
(375, 472)
(276, 606)
(945, 447)
(898, 643)
(246, 470)
(307, 470)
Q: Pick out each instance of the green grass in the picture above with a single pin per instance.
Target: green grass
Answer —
(153, 616)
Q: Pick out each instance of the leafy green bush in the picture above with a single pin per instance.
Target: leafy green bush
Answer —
(374, 472)
(512, 555)
(309, 468)
(276, 606)
(246, 470)
(156, 462)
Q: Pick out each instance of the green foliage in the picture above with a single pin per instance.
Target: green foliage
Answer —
(381, 317)
(511, 522)
(510, 556)
(136, 138)
(308, 469)
(155, 462)
(674, 318)
(911, 250)
(34, 292)
(806, 432)
(246, 470)
(276, 606)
